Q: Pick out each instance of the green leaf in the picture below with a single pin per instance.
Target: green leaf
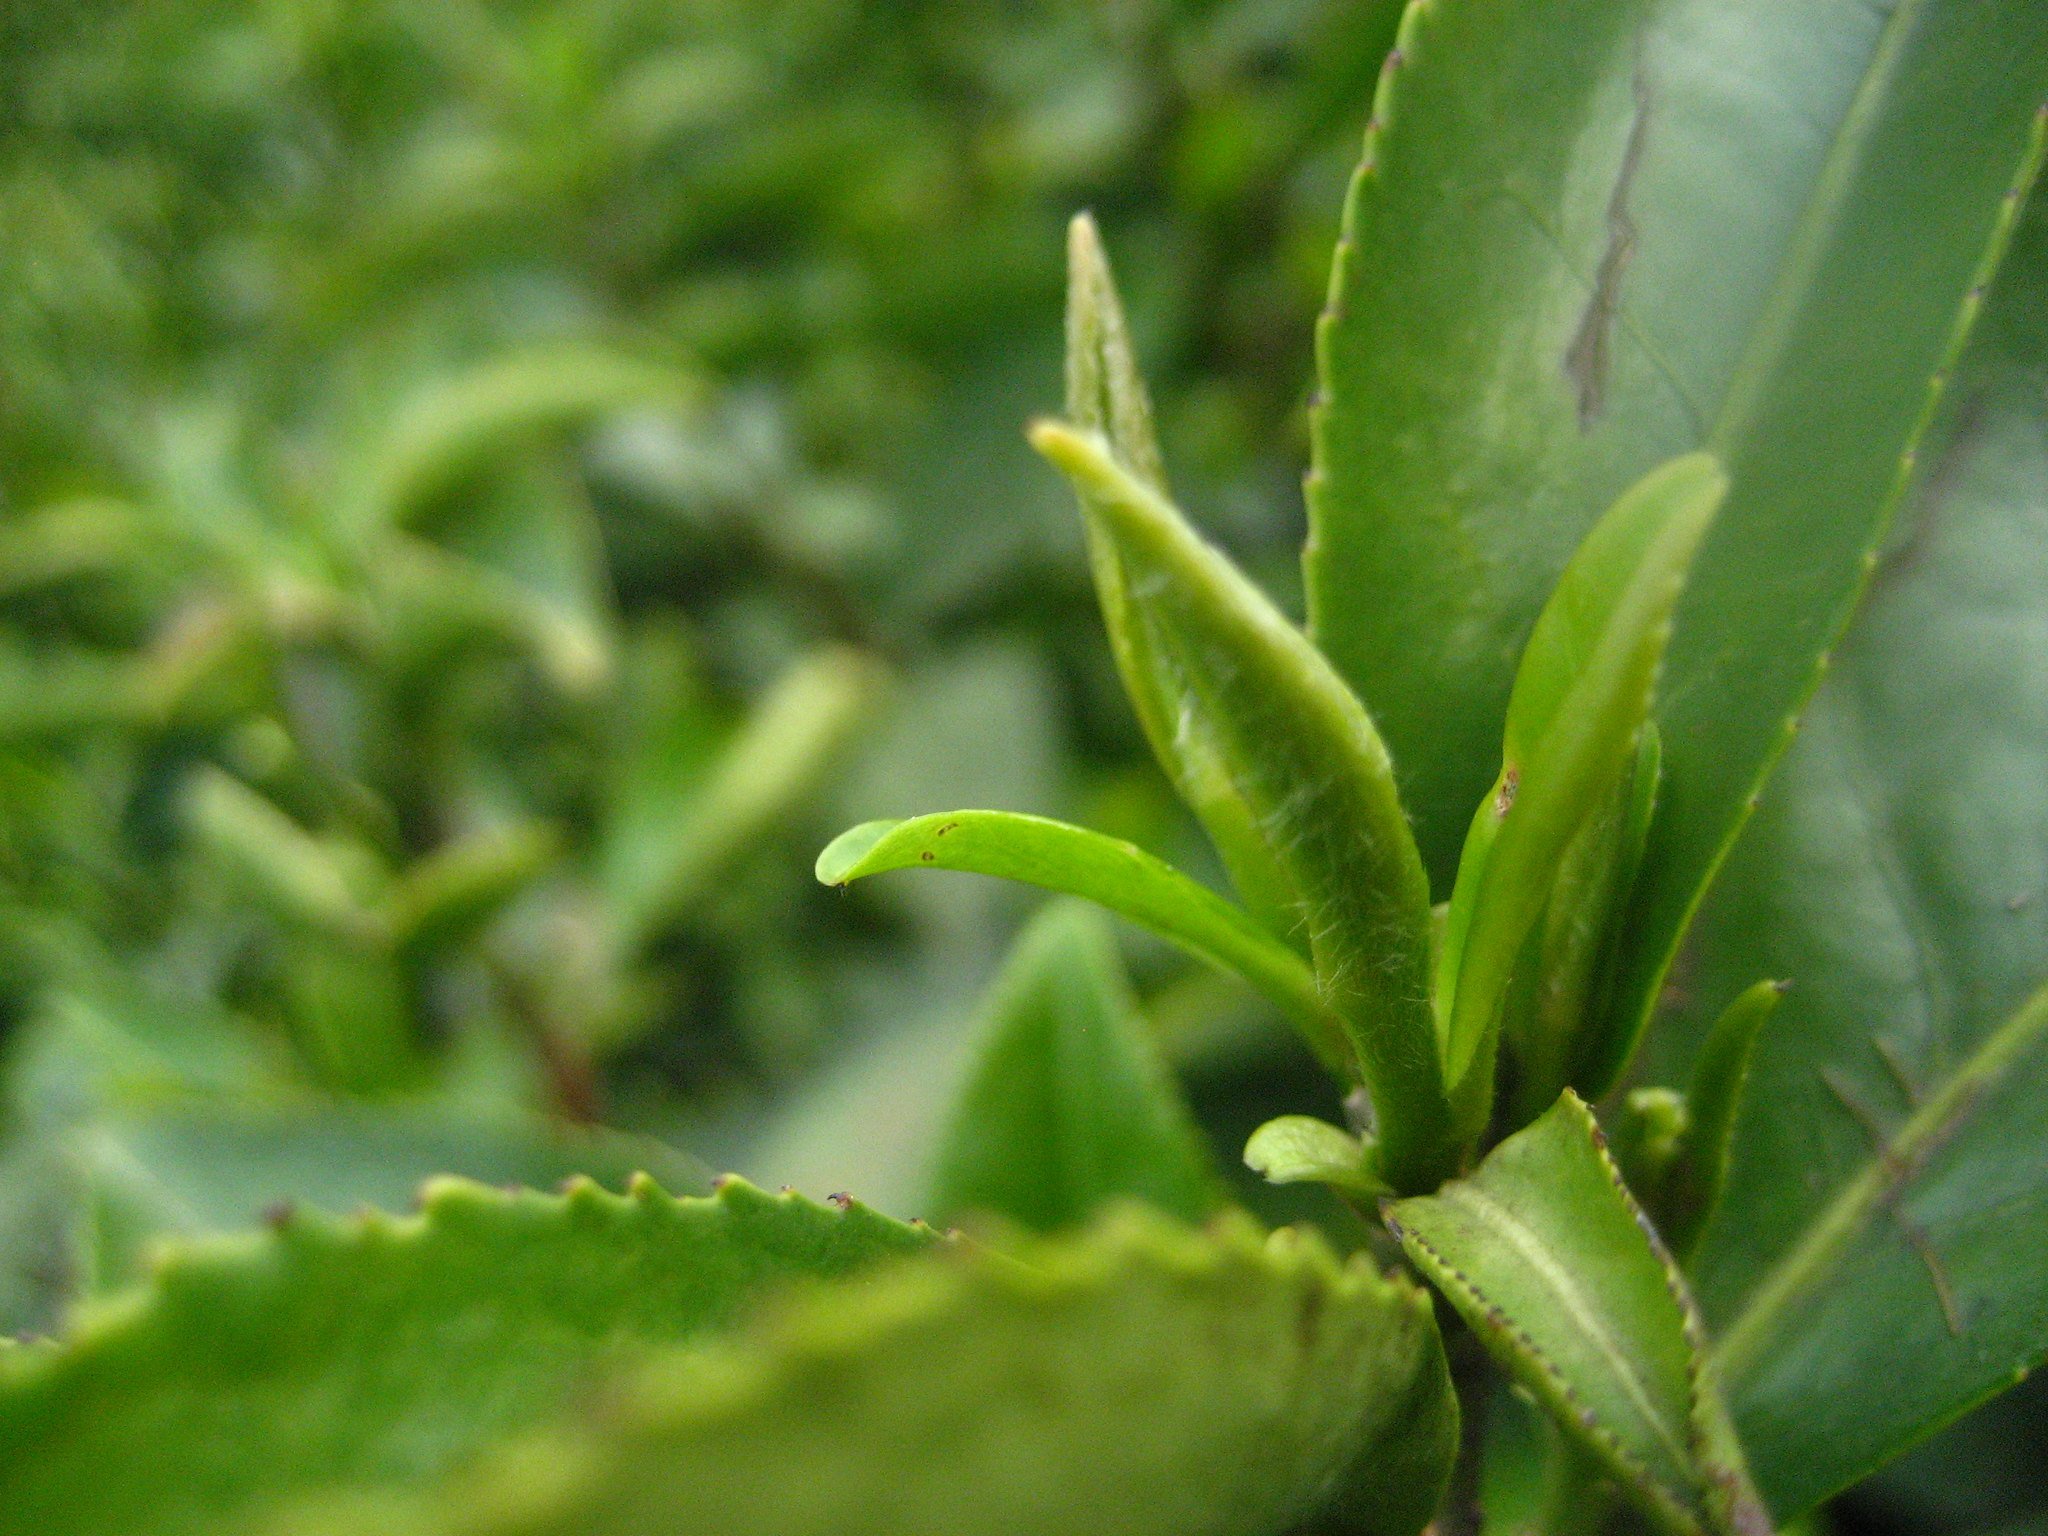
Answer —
(663, 849)
(1123, 878)
(1589, 236)
(1139, 1378)
(1580, 699)
(452, 893)
(456, 426)
(1302, 754)
(1886, 1197)
(186, 1172)
(1607, 1036)
(1069, 1106)
(1548, 1258)
(320, 1355)
(530, 543)
(331, 886)
(1300, 1149)
(1711, 1099)
(1568, 1036)
(1106, 395)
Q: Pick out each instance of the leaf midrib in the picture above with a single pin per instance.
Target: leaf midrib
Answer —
(1888, 1170)
(1561, 1283)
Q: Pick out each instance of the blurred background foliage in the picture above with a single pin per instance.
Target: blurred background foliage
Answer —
(487, 490)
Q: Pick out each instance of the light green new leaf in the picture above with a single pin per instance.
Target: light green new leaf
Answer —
(1302, 754)
(1123, 878)
(1069, 1106)
(1139, 1379)
(1549, 1259)
(1887, 1196)
(1588, 235)
(1570, 1037)
(1300, 1149)
(1580, 699)
(322, 1355)
(1106, 395)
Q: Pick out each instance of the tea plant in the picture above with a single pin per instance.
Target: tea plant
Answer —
(1663, 341)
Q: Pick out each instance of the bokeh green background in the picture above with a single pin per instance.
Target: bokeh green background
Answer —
(487, 490)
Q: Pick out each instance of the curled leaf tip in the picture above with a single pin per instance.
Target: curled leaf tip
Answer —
(840, 862)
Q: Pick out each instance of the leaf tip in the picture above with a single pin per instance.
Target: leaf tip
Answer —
(841, 861)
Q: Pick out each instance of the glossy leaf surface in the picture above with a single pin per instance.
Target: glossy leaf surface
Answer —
(1580, 700)
(385, 1350)
(1588, 236)
(1139, 1378)
(1304, 757)
(1069, 1106)
(1119, 876)
(1887, 1199)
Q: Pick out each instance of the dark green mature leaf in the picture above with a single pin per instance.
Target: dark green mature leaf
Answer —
(1580, 699)
(1887, 1198)
(1550, 1261)
(320, 1355)
(1588, 235)
(1123, 878)
(1302, 754)
(1140, 1379)
(1069, 1107)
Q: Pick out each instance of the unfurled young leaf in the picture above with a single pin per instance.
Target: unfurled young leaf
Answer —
(1106, 395)
(1123, 878)
(1301, 753)
(321, 1355)
(1580, 701)
(1138, 1378)
(1554, 1266)
(1300, 1149)
(1069, 1107)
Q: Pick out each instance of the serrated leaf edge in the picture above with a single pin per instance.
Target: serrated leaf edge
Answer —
(820, 1323)
(184, 1268)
